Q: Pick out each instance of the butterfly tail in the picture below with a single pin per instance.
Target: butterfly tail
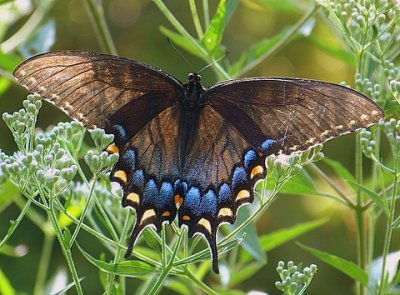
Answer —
(214, 253)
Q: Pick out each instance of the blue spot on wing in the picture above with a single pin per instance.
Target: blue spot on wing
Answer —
(249, 157)
(225, 194)
(192, 201)
(138, 179)
(150, 193)
(267, 144)
(239, 177)
(165, 199)
(208, 204)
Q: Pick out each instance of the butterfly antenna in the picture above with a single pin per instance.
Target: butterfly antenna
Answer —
(214, 62)
(180, 53)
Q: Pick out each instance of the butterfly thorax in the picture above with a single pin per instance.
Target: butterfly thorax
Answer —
(191, 105)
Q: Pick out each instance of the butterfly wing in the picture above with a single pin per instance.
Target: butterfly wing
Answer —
(287, 115)
(91, 87)
(246, 120)
(135, 102)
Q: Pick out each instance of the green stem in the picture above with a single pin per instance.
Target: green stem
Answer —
(278, 46)
(206, 13)
(388, 231)
(118, 256)
(44, 261)
(66, 252)
(204, 287)
(196, 20)
(329, 180)
(360, 215)
(160, 281)
(96, 14)
(85, 210)
(14, 226)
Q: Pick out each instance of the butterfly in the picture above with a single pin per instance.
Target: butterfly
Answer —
(187, 151)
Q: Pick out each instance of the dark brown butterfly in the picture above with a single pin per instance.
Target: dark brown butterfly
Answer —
(187, 150)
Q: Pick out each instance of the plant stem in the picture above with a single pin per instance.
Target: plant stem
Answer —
(85, 210)
(340, 192)
(388, 231)
(118, 256)
(204, 287)
(278, 46)
(160, 281)
(96, 14)
(206, 13)
(44, 260)
(67, 252)
(196, 20)
(360, 215)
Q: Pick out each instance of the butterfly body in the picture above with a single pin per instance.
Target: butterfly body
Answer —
(186, 151)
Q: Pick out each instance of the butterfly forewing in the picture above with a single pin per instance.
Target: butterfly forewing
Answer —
(90, 87)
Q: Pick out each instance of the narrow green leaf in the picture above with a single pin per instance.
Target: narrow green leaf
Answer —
(252, 242)
(245, 272)
(8, 193)
(148, 236)
(347, 267)
(279, 237)
(67, 287)
(332, 48)
(231, 6)
(301, 184)
(128, 268)
(180, 41)
(339, 169)
(5, 285)
(378, 200)
(178, 287)
(213, 36)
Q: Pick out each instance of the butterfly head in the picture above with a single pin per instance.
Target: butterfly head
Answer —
(194, 78)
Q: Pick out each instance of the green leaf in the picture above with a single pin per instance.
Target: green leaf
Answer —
(347, 267)
(8, 193)
(244, 273)
(8, 61)
(332, 48)
(378, 200)
(128, 268)
(279, 237)
(181, 41)
(255, 51)
(231, 6)
(301, 184)
(213, 36)
(339, 169)
(151, 240)
(5, 285)
(178, 287)
(251, 243)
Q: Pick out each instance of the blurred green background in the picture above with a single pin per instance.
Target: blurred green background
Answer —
(135, 30)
